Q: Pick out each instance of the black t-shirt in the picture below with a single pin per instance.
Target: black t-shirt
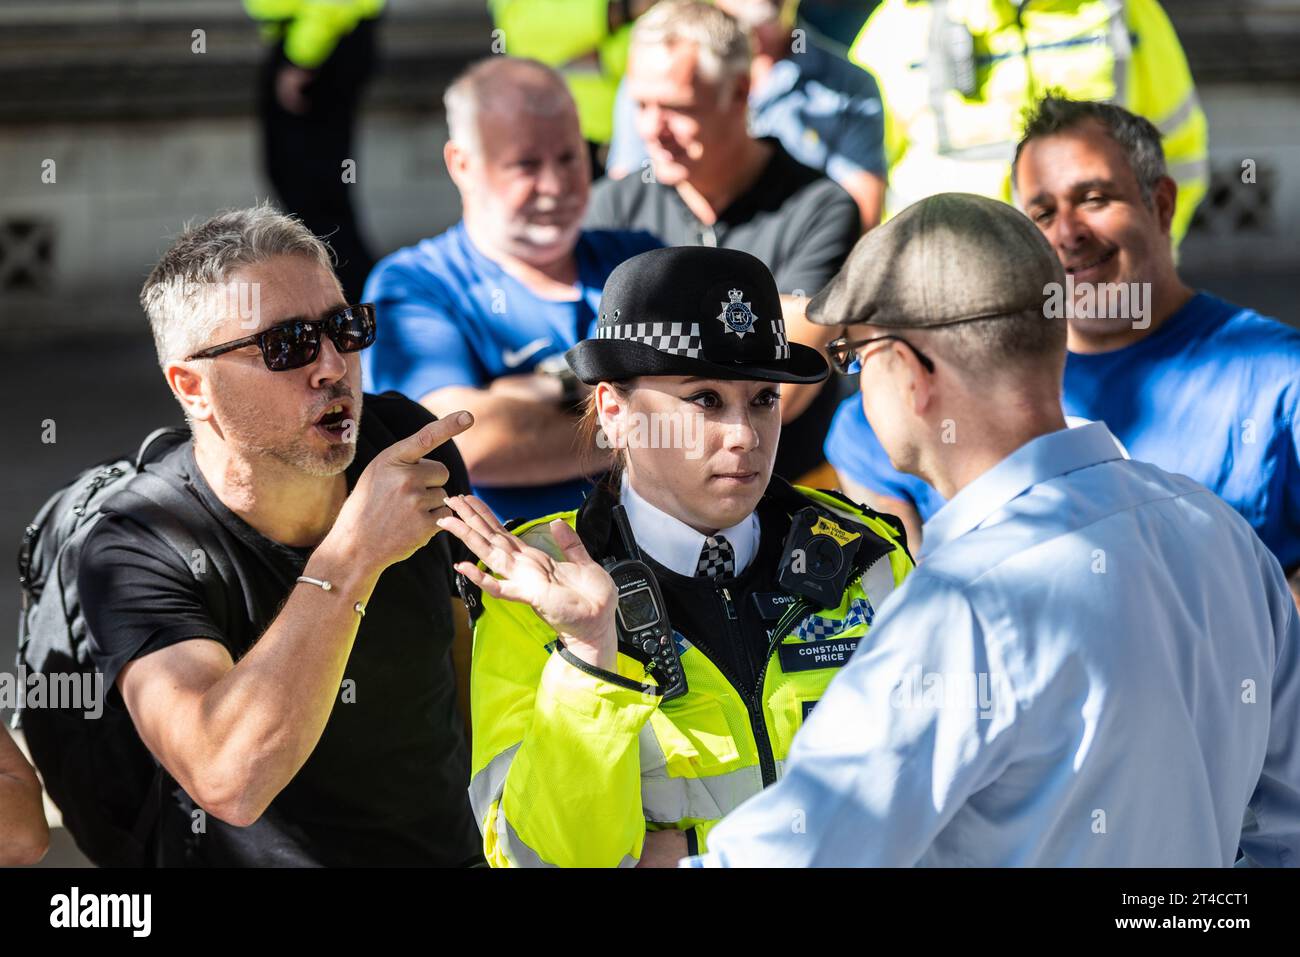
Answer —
(386, 784)
(795, 219)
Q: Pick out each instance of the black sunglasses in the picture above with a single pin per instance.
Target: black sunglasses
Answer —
(844, 352)
(296, 343)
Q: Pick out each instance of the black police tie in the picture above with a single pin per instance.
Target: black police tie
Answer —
(717, 558)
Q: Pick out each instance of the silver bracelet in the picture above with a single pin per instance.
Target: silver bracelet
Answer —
(325, 584)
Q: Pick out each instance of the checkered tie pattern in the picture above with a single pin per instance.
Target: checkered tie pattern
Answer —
(676, 337)
(717, 558)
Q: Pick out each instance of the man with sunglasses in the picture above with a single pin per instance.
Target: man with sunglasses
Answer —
(291, 674)
(1095, 663)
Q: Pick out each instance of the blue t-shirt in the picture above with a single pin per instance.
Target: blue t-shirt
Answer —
(1213, 394)
(448, 315)
(825, 111)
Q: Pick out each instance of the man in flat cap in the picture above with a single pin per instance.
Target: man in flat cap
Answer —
(1184, 379)
(1095, 662)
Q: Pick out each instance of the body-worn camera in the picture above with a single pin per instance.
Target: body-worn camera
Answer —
(819, 554)
(644, 631)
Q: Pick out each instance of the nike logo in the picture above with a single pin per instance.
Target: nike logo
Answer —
(517, 357)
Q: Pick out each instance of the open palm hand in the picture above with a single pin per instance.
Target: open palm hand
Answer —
(576, 597)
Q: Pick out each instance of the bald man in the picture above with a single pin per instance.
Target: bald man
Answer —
(480, 317)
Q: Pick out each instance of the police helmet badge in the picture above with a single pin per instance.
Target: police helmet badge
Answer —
(736, 315)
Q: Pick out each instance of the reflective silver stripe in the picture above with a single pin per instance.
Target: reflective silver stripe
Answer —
(938, 73)
(942, 79)
(878, 581)
(490, 783)
(667, 800)
(521, 855)
(517, 852)
(1190, 171)
(1121, 48)
(650, 751)
(1181, 115)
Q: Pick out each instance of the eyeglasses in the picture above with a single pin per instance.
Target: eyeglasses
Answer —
(844, 353)
(296, 343)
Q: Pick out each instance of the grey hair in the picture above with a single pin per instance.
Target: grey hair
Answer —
(1137, 135)
(502, 83)
(186, 296)
(723, 45)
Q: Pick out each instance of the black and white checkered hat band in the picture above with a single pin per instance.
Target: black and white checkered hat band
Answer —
(782, 343)
(677, 338)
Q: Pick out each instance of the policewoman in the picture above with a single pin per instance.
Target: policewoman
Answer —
(642, 664)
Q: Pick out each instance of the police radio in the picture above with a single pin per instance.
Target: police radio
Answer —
(644, 631)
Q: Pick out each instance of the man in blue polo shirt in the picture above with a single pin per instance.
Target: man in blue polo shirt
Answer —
(1185, 380)
(480, 317)
(825, 111)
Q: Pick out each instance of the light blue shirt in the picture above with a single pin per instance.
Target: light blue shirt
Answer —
(1095, 664)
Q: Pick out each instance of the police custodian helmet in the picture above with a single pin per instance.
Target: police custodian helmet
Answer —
(694, 311)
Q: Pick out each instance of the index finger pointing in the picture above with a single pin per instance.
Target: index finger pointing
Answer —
(414, 447)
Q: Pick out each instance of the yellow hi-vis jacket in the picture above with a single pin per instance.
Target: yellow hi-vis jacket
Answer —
(572, 36)
(948, 127)
(572, 765)
(311, 29)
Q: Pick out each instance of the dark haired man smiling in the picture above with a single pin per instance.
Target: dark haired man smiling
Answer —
(1193, 384)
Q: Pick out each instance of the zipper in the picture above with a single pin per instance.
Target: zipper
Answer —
(754, 706)
(796, 613)
(102, 478)
(754, 699)
(757, 726)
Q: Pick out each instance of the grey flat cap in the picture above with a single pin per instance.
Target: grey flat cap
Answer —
(949, 258)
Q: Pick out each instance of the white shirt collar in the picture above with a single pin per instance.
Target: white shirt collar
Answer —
(677, 546)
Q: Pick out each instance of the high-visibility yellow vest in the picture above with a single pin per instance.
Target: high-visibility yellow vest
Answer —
(311, 29)
(955, 76)
(572, 766)
(572, 36)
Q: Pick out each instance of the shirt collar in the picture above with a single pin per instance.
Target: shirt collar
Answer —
(674, 544)
(1036, 461)
(772, 181)
(587, 285)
